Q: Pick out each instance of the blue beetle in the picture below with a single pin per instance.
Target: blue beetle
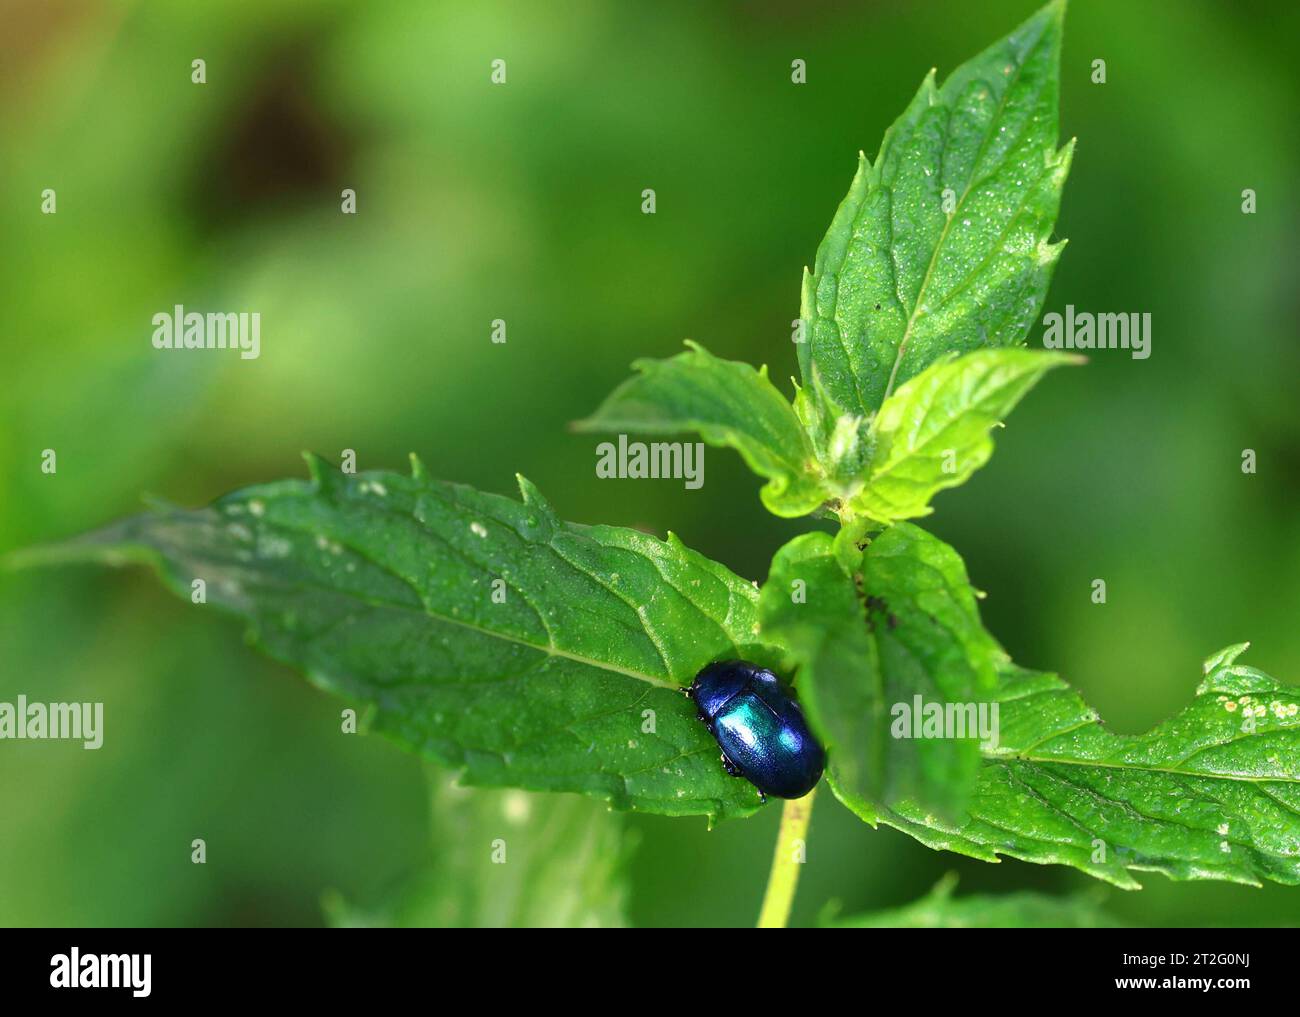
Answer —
(759, 727)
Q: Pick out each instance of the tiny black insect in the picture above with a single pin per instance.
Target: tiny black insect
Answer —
(759, 727)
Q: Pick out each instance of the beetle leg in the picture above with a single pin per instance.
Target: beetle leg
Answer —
(762, 798)
(729, 766)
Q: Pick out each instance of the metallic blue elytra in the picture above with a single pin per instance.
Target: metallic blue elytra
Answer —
(759, 727)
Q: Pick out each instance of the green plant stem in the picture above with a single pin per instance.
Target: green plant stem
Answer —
(791, 842)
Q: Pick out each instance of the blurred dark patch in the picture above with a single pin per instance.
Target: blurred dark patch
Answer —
(280, 148)
(30, 31)
(1281, 453)
(261, 905)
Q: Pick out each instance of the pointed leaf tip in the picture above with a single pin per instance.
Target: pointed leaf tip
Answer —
(319, 469)
(974, 282)
(1224, 658)
(534, 498)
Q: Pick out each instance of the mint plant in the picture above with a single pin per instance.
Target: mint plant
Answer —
(522, 651)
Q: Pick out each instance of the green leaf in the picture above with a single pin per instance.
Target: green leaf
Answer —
(827, 641)
(899, 281)
(1213, 793)
(934, 432)
(507, 859)
(729, 404)
(1022, 910)
(916, 633)
(484, 633)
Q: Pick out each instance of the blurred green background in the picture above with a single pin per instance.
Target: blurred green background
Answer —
(522, 202)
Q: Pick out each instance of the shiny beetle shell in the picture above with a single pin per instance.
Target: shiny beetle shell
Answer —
(759, 727)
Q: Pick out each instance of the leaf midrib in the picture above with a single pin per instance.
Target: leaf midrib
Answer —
(424, 611)
(943, 236)
(912, 451)
(1131, 768)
